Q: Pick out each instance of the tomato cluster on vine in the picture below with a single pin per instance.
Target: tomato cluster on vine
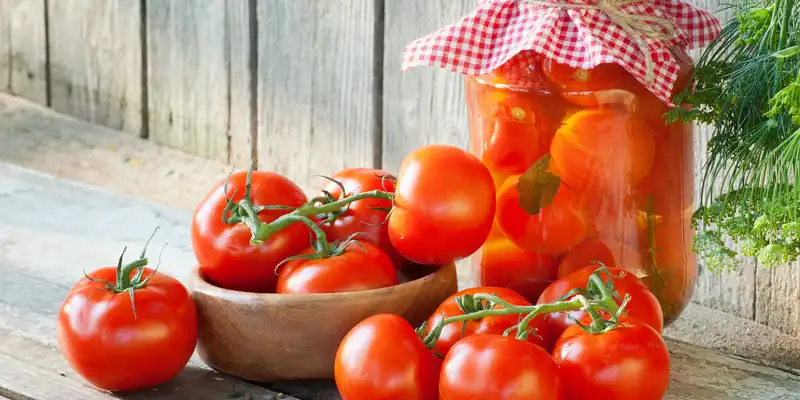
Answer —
(437, 210)
(577, 342)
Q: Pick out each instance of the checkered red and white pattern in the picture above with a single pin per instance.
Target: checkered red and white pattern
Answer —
(581, 38)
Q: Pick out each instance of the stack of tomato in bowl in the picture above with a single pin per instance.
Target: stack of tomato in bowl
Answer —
(358, 283)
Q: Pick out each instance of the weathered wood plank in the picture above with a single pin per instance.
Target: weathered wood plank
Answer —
(241, 107)
(191, 79)
(424, 105)
(778, 298)
(315, 86)
(700, 374)
(96, 61)
(40, 372)
(23, 53)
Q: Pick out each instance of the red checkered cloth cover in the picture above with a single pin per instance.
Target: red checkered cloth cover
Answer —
(579, 37)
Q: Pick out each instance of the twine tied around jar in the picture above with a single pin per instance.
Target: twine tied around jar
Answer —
(637, 26)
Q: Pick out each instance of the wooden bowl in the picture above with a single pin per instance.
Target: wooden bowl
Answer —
(271, 337)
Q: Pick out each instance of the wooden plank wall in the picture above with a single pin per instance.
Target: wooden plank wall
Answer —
(306, 87)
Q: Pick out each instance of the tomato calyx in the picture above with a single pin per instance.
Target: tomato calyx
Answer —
(325, 249)
(125, 282)
(598, 299)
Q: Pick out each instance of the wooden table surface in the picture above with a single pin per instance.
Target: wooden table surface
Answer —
(52, 229)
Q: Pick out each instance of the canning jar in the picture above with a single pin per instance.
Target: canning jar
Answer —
(586, 169)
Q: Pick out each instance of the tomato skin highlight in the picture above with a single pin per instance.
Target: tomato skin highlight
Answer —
(630, 362)
(643, 304)
(361, 216)
(362, 266)
(499, 368)
(444, 205)
(506, 265)
(103, 342)
(382, 358)
(224, 251)
(452, 333)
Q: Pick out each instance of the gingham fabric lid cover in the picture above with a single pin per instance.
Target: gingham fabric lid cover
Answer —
(579, 33)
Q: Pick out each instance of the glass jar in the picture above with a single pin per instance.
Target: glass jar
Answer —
(585, 169)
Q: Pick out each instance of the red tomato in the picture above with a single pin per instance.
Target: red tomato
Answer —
(642, 305)
(609, 252)
(499, 368)
(514, 146)
(382, 358)
(452, 333)
(631, 362)
(361, 216)
(603, 150)
(362, 266)
(111, 348)
(444, 205)
(506, 265)
(224, 251)
(555, 229)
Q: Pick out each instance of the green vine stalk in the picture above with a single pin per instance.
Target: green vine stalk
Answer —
(748, 88)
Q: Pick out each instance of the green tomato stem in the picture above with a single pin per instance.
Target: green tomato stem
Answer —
(266, 230)
(261, 231)
(599, 297)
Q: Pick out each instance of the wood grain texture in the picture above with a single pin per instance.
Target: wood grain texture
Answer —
(425, 105)
(38, 371)
(96, 61)
(23, 54)
(315, 87)
(778, 298)
(194, 87)
(240, 122)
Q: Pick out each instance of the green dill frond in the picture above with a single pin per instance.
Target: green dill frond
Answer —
(747, 86)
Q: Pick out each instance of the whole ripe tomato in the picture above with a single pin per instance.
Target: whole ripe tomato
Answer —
(444, 205)
(555, 229)
(367, 216)
(506, 265)
(382, 358)
(113, 349)
(611, 253)
(643, 305)
(360, 266)
(630, 362)
(603, 150)
(224, 251)
(499, 368)
(452, 333)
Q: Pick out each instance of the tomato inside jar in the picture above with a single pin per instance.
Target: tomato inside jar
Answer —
(586, 170)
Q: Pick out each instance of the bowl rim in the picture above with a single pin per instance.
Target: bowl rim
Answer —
(198, 284)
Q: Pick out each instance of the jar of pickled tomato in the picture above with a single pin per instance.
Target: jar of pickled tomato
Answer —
(586, 169)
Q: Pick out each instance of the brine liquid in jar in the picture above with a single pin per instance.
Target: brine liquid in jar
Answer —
(586, 170)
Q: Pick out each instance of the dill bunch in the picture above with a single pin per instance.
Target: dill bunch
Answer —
(747, 86)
